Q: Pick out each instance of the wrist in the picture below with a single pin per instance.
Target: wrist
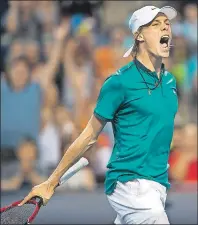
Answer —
(53, 182)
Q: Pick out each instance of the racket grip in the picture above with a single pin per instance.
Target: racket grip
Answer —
(73, 170)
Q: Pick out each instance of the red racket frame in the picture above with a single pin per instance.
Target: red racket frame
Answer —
(32, 201)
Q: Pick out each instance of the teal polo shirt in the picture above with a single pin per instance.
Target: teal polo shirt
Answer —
(142, 123)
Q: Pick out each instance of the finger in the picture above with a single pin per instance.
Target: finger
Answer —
(45, 201)
(27, 198)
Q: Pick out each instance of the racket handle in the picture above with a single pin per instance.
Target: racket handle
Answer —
(73, 170)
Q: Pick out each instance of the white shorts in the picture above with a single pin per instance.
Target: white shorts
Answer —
(139, 202)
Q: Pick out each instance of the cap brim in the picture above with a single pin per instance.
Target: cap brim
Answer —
(169, 11)
(128, 52)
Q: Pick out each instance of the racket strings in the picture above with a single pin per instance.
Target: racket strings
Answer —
(18, 214)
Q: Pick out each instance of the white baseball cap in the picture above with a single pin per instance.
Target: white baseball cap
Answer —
(145, 15)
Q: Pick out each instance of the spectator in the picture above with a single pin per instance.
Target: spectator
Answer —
(31, 51)
(20, 104)
(49, 142)
(108, 58)
(183, 161)
(16, 50)
(101, 157)
(190, 27)
(66, 127)
(79, 72)
(24, 97)
(26, 154)
(21, 20)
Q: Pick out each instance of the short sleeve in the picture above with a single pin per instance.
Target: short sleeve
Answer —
(110, 98)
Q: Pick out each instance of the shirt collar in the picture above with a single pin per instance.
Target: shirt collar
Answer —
(146, 70)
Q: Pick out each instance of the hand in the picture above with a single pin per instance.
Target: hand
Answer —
(44, 190)
(63, 30)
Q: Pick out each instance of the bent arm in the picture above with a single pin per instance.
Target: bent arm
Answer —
(84, 142)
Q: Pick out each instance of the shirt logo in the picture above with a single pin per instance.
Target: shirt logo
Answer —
(153, 8)
(171, 80)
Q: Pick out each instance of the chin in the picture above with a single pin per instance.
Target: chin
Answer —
(160, 53)
(165, 55)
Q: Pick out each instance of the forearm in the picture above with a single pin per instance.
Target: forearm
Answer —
(53, 62)
(12, 20)
(54, 59)
(84, 142)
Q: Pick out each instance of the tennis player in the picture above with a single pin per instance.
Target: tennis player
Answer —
(140, 100)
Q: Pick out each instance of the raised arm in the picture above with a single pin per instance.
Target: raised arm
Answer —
(50, 68)
(12, 17)
(84, 142)
(77, 79)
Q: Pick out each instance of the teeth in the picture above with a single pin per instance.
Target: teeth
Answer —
(165, 36)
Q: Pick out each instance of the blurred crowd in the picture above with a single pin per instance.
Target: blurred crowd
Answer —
(54, 61)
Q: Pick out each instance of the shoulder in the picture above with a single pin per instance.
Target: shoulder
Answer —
(35, 87)
(112, 82)
(125, 69)
(119, 78)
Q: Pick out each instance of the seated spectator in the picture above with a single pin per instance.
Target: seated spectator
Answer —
(183, 161)
(26, 155)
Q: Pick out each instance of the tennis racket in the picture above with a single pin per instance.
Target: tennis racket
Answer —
(25, 214)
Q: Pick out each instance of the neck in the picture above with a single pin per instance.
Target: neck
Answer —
(150, 61)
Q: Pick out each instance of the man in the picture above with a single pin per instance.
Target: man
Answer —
(140, 100)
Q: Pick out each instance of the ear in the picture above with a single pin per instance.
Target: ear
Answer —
(140, 37)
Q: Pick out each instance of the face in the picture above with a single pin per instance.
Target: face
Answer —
(117, 36)
(32, 52)
(190, 12)
(19, 74)
(157, 36)
(16, 50)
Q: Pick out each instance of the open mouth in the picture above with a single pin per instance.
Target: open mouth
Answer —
(164, 41)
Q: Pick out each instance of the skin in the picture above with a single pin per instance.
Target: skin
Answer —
(20, 69)
(151, 52)
(188, 153)
(49, 69)
(151, 55)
